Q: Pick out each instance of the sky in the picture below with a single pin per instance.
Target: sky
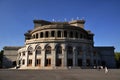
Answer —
(102, 18)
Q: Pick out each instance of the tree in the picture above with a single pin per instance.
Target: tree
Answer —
(1, 56)
(117, 58)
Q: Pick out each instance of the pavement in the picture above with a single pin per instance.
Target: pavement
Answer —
(60, 74)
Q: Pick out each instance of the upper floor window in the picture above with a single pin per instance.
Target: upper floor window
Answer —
(59, 50)
(30, 49)
(59, 34)
(71, 34)
(38, 50)
(76, 35)
(53, 34)
(36, 35)
(48, 50)
(46, 34)
(41, 34)
(69, 50)
(65, 33)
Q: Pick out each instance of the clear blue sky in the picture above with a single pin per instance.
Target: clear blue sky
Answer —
(102, 18)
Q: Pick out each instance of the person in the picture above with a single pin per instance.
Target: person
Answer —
(106, 70)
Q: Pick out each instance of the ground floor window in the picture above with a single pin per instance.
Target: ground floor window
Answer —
(88, 62)
(30, 62)
(23, 61)
(95, 62)
(48, 62)
(69, 62)
(58, 62)
(38, 62)
(79, 62)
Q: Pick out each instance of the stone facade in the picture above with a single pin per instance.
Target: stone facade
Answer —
(10, 56)
(58, 45)
(52, 45)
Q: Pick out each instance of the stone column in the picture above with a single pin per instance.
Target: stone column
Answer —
(33, 59)
(26, 58)
(53, 60)
(43, 58)
(84, 57)
(91, 59)
(74, 57)
(64, 61)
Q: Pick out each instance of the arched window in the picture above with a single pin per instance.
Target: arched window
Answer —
(58, 50)
(46, 34)
(71, 34)
(48, 50)
(38, 50)
(52, 33)
(30, 49)
(36, 35)
(81, 36)
(79, 51)
(59, 34)
(41, 34)
(65, 33)
(69, 50)
(76, 35)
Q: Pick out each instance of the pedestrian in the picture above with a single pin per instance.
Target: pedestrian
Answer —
(106, 70)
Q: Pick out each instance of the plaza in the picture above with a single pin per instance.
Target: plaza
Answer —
(64, 74)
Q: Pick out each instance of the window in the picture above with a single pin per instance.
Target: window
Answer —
(41, 34)
(69, 62)
(59, 34)
(24, 53)
(79, 51)
(71, 34)
(36, 35)
(38, 62)
(48, 50)
(65, 33)
(30, 49)
(23, 61)
(33, 36)
(48, 62)
(38, 50)
(46, 34)
(30, 62)
(59, 50)
(59, 62)
(53, 34)
(81, 35)
(76, 35)
(69, 50)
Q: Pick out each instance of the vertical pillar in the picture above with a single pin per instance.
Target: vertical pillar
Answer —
(74, 57)
(53, 60)
(91, 60)
(33, 59)
(43, 58)
(26, 58)
(84, 58)
(64, 61)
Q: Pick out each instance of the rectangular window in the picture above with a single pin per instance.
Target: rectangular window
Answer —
(48, 62)
(23, 61)
(41, 35)
(38, 62)
(30, 62)
(53, 34)
(59, 62)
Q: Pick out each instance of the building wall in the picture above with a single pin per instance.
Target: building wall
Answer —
(9, 56)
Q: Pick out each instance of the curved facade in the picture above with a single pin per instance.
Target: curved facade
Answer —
(52, 45)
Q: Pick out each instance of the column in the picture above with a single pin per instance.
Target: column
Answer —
(84, 58)
(26, 58)
(53, 60)
(33, 59)
(43, 58)
(64, 60)
(91, 59)
(74, 57)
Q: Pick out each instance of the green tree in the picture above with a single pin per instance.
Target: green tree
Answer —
(117, 58)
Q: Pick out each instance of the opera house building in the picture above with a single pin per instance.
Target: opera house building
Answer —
(61, 45)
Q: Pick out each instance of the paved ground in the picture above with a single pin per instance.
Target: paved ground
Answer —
(71, 74)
